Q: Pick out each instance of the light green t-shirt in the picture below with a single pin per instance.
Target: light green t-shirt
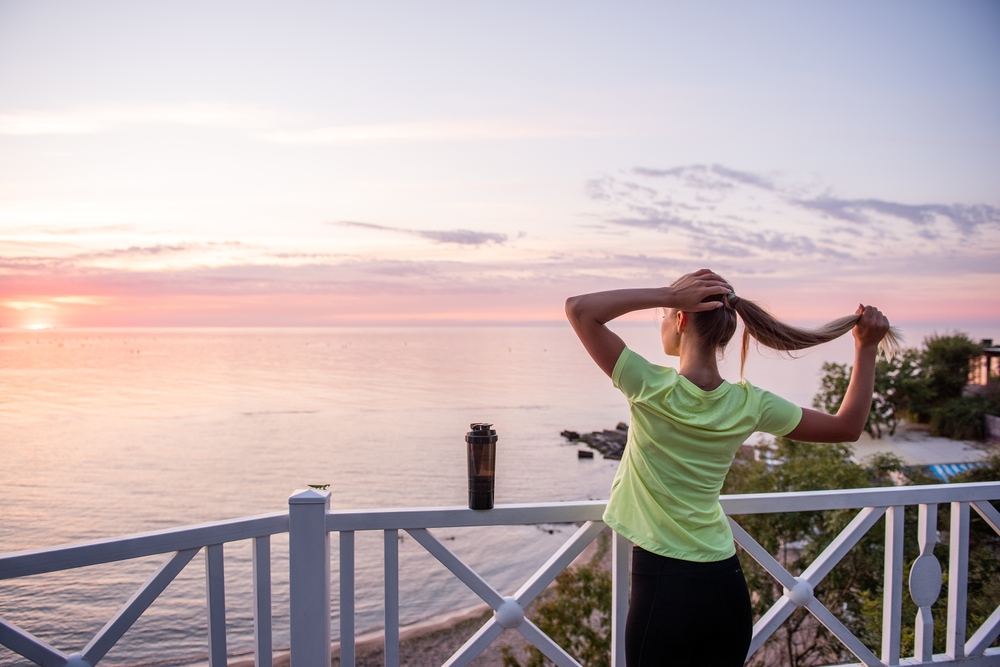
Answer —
(681, 443)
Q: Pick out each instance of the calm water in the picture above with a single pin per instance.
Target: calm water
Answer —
(108, 432)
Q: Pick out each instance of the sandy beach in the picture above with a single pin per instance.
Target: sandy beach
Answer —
(914, 444)
(427, 644)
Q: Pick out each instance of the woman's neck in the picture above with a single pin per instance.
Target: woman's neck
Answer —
(700, 367)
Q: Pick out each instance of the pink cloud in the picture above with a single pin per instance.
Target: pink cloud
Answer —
(808, 258)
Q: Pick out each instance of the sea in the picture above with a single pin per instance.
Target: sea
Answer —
(106, 432)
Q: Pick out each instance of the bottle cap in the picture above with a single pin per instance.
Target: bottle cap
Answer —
(480, 434)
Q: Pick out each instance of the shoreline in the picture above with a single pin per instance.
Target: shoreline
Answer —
(373, 641)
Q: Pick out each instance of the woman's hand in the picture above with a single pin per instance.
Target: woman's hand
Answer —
(871, 328)
(849, 422)
(688, 291)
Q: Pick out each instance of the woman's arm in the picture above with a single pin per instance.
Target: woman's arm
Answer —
(589, 313)
(849, 422)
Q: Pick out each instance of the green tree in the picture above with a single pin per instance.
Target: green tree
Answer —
(964, 418)
(945, 364)
(832, 387)
(886, 398)
(906, 386)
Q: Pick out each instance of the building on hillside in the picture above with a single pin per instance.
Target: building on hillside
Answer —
(985, 369)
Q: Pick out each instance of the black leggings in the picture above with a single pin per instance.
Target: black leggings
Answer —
(686, 613)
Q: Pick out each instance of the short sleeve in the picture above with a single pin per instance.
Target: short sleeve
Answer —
(628, 374)
(777, 416)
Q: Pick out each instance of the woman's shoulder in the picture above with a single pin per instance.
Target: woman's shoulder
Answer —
(766, 401)
(637, 360)
(635, 375)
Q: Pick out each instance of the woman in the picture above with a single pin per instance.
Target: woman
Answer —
(689, 603)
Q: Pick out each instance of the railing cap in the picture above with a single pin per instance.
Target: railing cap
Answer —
(309, 497)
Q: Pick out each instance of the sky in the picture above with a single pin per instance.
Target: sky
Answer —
(327, 164)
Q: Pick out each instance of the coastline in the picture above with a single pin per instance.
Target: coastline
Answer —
(368, 647)
(426, 643)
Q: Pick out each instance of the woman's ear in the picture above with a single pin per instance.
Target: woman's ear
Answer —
(682, 320)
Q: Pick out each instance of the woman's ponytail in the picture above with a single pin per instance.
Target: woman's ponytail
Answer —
(771, 332)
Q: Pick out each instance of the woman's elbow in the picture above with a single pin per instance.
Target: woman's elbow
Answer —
(846, 437)
(818, 426)
(573, 308)
(854, 435)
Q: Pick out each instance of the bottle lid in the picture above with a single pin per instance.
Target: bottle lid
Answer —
(480, 434)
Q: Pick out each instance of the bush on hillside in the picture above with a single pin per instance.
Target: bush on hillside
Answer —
(963, 418)
(945, 364)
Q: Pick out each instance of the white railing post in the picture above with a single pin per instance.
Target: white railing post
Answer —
(347, 598)
(391, 598)
(215, 585)
(925, 583)
(309, 578)
(263, 649)
(958, 579)
(892, 600)
(619, 597)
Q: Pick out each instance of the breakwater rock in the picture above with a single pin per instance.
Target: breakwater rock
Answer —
(609, 443)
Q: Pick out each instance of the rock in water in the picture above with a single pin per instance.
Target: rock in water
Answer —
(609, 443)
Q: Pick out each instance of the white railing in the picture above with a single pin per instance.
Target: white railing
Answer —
(925, 574)
(309, 524)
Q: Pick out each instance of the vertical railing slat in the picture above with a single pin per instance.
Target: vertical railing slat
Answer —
(621, 548)
(392, 598)
(262, 642)
(215, 584)
(923, 631)
(958, 575)
(347, 598)
(892, 601)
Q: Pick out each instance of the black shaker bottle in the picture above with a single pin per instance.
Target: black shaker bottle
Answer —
(482, 450)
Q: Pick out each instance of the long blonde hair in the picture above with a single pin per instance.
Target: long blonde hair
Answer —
(716, 327)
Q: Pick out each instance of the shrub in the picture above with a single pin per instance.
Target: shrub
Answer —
(945, 364)
(907, 387)
(964, 418)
